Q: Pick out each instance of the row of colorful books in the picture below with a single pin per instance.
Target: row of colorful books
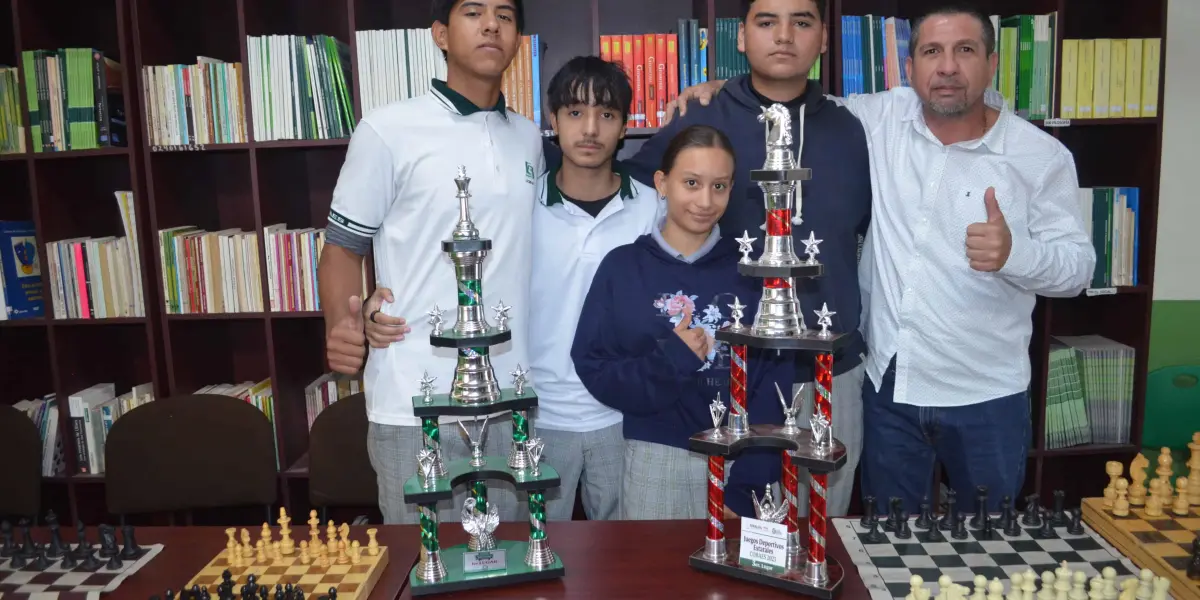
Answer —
(1110, 78)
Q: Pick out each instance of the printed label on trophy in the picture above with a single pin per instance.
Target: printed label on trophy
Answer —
(763, 545)
(484, 561)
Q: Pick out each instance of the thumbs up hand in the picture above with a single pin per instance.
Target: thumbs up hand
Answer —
(345, 344)
(989, 243)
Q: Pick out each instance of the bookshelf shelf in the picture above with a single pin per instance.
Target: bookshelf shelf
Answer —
(254, 184)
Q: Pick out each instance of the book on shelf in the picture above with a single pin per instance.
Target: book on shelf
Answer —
(298, 87)
(292, 259)
(210, 271)
(522, 81)
(44, 413)
(396, 64)
(74, 98)
(12, 128)
(651, 61)
(21, 295)
(1110, 216)
(1089, 392)
(258, 394)
(327, 389)
(92, 412)
(98, 278)
(1110, 78)
(191, 106)
(874, 51)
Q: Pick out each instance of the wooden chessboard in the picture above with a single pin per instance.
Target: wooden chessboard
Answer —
(58, 583)
(1161, 544)
(353, 582)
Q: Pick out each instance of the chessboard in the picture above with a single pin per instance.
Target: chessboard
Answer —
(64, 571)
(887, 562)
(1163, 544)
(312, 567)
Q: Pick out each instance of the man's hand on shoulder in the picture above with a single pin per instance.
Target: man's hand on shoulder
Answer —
(989, 243)
(701, 92)
(383, 330)
(345, 344)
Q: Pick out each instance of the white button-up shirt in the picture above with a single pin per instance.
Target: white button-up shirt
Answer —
(568, 245)
(961, 336)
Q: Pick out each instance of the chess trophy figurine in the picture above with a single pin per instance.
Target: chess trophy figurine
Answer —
(778, 325)
(475, 393)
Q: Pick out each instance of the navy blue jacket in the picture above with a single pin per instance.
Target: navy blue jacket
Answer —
(628, 356)
(836, 201)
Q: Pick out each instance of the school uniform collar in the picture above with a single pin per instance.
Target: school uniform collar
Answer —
(555, 196)
(459, 103)
(713, 237)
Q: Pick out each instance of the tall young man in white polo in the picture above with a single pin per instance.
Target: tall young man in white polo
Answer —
(396, 192)
(586, 210)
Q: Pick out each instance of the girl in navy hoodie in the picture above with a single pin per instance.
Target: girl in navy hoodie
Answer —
(644, 344)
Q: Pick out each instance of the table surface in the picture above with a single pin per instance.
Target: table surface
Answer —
(636, 559)
(188, 549)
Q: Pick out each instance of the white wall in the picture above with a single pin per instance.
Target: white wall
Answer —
(1177, 268)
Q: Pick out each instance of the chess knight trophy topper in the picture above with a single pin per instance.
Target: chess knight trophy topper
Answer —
(805, 440)
(476, 395)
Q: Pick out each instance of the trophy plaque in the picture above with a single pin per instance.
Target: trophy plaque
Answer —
(486, 561)
(778, 325)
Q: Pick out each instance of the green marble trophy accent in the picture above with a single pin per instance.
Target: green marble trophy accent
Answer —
(486, 561)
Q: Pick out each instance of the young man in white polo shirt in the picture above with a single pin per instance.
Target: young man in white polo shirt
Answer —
(587, 209)
(396, 192)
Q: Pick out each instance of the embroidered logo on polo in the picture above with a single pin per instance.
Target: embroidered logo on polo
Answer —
(528, 172)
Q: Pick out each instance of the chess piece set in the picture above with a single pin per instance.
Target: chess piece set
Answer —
(251, 590)
(1160, 495)
(1039, 522)
(27, 554)
(1061, 584)
(337, 548)
(474, 392)
(778, 325)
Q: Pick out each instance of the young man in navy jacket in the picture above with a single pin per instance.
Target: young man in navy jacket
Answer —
(782, 39)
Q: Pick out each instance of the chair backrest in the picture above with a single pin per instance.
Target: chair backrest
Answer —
(191, 451)
(20, 464)
(339, 468)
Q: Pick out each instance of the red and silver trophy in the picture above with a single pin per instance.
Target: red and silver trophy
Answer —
(778, 325)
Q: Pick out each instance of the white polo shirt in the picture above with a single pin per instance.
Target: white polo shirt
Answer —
(568, 245)
(396, 191)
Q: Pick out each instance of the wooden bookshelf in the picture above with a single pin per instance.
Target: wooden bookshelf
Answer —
(256, 183)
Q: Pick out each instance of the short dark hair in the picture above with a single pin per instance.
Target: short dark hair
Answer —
(695, 136)
(989, 32)
(746, 4)
(441, 10)
(590, 80)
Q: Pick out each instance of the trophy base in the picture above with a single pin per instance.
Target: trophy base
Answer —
(811, 340)
(449, 339)
(438, 405)
(799, 446)
(792, 580)
(457, 579)
(799, 270)
(461, 471)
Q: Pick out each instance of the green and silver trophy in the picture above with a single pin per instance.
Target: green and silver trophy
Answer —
(484, 561)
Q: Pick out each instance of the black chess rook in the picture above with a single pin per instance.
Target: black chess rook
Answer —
(981, 506)
(868, 511)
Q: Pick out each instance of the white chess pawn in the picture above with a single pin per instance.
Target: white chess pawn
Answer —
(980, 588)
(1062, 585)
(995, 589)
(914, 590)
(1145, 585)
(1014, 587)
(1162, 585)
(1047, 591)
(1029, 587)
(1079, 582)
(1096, 589)
(1110, 583)
(945, 588)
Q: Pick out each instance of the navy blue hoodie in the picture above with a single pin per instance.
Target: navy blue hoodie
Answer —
(836, 201)
(628, 356)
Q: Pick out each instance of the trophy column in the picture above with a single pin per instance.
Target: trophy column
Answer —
(430, 567)
(714, 542)
(815, 572)
(429, 427)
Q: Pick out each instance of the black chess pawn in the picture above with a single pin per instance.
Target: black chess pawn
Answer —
(868, 511)
(1075, 527)
(56, 548)
(1193, 568)
(169, 595)
(1005, 505)
(925, 521)
(41, 562)
(29, 548)
(332, 593)
(931, 536)
(131, 551)
(114, 562)
(981, 507)
(82, 543)
(18, 561)
(893, 518)
(903, 532)
(89, 562)
(986, 532)
(195, 591)
(68, 561)
(1032, 511)
(1012, 525)
(7, 548)
(1047, 530)
(960, 528)
(873, 535)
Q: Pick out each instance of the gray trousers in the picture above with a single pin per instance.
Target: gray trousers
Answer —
(847, 429)
(393, 450)
(595, 458)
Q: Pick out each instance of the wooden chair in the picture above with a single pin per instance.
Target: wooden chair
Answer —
(339, 468)
(190, 452)
(20, 464)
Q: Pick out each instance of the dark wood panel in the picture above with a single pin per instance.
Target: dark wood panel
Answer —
(25, 354)
(1079, 476)
(1005, 8)
(8, 38)
(621, 17)
(15, 203)
(91, 24)
(101, 353)
(561, 38)
(210, 190)
(298, 17)
(177, 33)
(1038, 355)
(391, 14)
(295, 186)
(75, 196)
(299, 358)
(207, 352)
(1117, 317)
(1090, 19)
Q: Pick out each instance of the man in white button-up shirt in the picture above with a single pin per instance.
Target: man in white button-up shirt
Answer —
(974, 214)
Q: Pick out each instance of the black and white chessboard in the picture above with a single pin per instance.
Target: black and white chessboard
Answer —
(887, 566)
(58, 583)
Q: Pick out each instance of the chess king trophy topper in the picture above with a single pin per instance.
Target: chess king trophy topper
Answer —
(475, 393)
(778, 325)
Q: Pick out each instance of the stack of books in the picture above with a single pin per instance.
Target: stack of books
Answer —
(1110, 78)
(191, 106)
(652, 63)
(12, 132)
(292, 259)
(298, 87)
(74, 99)
(396, 64)
(1089, 393)
(874, 50)
(92, 412)
(1110, 216)
(98, 278)
(327, 389)
(210, 271)
(44, 413)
